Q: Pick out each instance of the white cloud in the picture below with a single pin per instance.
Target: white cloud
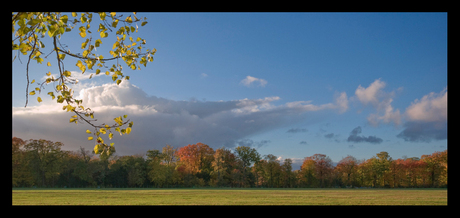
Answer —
(369, 94)
(431, 108)
(250, 80)
(159, 121)
(341, 101)
(384, 110)
(426, 118)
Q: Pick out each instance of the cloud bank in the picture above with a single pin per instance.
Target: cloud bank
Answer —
(423, 121)
(159, 121)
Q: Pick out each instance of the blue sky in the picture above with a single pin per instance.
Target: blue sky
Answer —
(289, 84)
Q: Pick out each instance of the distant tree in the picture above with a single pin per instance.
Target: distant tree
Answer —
(287, 176)
(347, 169)
(272, 170)
(196, 160)
(21, 175)
(436, 165)
(223, 163)
(45, 157)
(247, 156)
(323, 167)
(382, 165)
(307, 173)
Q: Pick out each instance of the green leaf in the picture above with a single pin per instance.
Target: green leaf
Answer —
(98, 43)
(125, 116)
(39, 60)
(115, 23)
(67, 73)
(64, 18)
(103, 34)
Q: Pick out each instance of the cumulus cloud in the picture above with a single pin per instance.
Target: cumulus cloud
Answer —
(381, 101)
(370, 94)
(250, 80)
(426, 118)
(355, 138)
(159, 121)
(431, 108)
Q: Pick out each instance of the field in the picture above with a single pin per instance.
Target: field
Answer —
(229, 196)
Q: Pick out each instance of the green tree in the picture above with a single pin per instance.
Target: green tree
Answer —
(29, 29)
(287, 176)
(21, 175)
(247, 156)
(45, 158)
(382, 165)
(272, 170)
(223, 164)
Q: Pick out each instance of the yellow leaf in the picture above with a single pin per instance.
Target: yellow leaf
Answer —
(128, 130)
(102, 130)
(39, 99)
(48, 64)
(128, 19)
(87, 131)
(90, 138)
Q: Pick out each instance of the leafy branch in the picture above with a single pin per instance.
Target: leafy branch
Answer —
(26, 28)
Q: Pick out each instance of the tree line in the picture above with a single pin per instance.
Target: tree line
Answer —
(42, 163)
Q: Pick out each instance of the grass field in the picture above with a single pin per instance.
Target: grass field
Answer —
(210, 196)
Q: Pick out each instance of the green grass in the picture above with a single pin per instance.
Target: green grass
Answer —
(229, 196)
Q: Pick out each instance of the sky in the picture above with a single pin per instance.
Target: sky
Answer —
(288, 84)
